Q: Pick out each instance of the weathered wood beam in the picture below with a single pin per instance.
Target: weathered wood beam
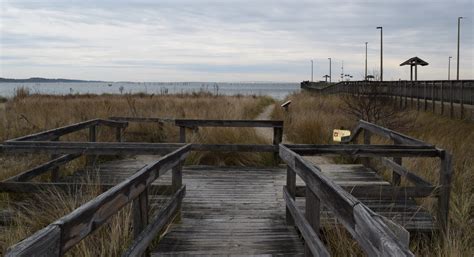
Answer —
(88, 148)
(163, 218)
(366, 150)
(57, 132)
(45, 242)
(372, 234)
(90, 216)
(384, 132)
(312, 240)
(234, 148)
(36, 187)
(160, 121)
(445, 176)
(400, 170)
(43, 168)
(228, 123)
(383, 192)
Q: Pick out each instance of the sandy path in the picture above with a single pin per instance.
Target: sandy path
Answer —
(267, 133)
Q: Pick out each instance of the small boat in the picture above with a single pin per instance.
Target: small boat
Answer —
(110, 84)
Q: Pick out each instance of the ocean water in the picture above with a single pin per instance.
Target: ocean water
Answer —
(275, 90)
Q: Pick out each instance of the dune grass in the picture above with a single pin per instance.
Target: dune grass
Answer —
(312, 118)
(27, 113)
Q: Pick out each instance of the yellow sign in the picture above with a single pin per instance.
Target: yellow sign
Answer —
(338, 134)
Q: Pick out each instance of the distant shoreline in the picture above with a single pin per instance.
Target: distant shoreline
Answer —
(45, 80)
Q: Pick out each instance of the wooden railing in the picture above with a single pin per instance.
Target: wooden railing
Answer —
(194, 124)
(443, 188)
(370, 230)
(423, 94)
(55, 134)
(61, 235)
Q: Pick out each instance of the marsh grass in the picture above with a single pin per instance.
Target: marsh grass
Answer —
(28, 113)
(312, 118)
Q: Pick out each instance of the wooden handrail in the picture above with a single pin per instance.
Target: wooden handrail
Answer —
(143, 119)
(84, 220)
(384, 132)
(366, 150)
(88, 148)
(61, 131)
(191, 123)
(412, 177)
(373, 235)
(43, 168)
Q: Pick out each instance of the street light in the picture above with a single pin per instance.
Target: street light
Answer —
(449, 67)
(311, 70)
(365, 77)
(381, 53)
(330, 73)
(459, 39)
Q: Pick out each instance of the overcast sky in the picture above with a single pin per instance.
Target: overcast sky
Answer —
(191, 40)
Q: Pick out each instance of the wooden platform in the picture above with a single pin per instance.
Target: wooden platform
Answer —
(241, 211)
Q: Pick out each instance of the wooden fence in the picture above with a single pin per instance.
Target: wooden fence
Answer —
(434, 95)
(57, 238)
(441, 191)
(370, 230)
(376, 235)
(194, 124)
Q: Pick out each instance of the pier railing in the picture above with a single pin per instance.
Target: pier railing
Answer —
(58, 237)
(374, 233)
(429, 95)
(440, 191)
(370, 230)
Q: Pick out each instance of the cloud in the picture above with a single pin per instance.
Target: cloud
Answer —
(219, 40)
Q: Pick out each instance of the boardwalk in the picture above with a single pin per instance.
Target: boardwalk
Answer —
(247, 211)
(241, 210)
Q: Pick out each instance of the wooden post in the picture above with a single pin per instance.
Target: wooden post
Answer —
(291, 187)
(140, 213)
(182, 134)
(411, 94)
(418, 96)
(424, 96)
(277, 139)
(395, 176)
(445, 188)
(118, 134)
(90, 160)
(400, 93)
(367, 136)
(433, 97)
(55, 170)
(176, 184)
(451, 111)
(312, 215)
(177, 177)
(406, 93)
(462, 99)
(442, 98)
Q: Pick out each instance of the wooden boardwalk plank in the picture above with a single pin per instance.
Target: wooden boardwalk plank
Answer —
(240, 211)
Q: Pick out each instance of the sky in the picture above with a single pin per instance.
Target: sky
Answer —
(192, 40)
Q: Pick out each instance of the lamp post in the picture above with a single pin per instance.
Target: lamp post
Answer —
(330, 73)
(449, 67)
(311, 70)
(459, 39)
(365, 77)
(381, 53)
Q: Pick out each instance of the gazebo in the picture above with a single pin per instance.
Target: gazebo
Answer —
(414, 61)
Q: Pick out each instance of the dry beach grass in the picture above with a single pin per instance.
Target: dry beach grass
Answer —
(313, 117)
(26, 114)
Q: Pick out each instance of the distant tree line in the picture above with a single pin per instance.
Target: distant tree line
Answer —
(43, 80)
